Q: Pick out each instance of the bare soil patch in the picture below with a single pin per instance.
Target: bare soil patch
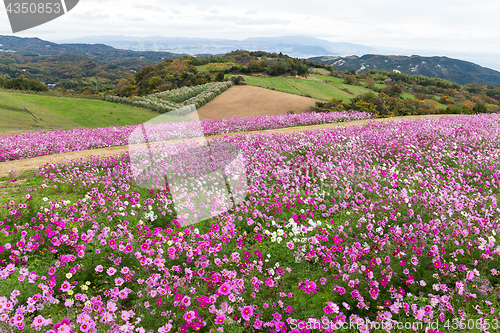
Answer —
(250, 101)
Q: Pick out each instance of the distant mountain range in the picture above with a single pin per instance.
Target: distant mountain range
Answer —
(294, 46)
(101, 52)
(454, 70)
(361, 58)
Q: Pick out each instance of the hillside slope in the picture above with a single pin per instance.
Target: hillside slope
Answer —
(65, 112)
(454, 70)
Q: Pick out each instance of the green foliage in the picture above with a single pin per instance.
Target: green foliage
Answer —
(392, 90)
(168, 74)
(349, 79)
(388, 106)
(334, 105)
(273, 64)
(453, 110)
(69, 71)
(479, 108)
(24, 84)
(236, 80)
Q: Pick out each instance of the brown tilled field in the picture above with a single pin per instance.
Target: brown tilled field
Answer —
(249, 101)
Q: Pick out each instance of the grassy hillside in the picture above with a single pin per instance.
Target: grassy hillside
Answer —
(316, 86)
(66, 112)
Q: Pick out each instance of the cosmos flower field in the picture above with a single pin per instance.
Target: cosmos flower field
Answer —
(372, 226)
(34, 144)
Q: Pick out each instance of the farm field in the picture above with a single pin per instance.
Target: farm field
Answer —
(66, 112)
(249, 101)
(391, 222)
(279, 84)
(354, 90)
(182, 100)
(317, 86)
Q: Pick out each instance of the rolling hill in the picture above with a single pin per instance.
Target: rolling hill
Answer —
(99, 52)
(454, 70)
(51, 111)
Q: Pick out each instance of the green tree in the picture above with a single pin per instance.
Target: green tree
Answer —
(479, 108)
(155, 82)
(365, 106)
(370, 83)
(349, 79)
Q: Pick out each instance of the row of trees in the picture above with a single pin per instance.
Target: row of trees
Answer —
(274, 64)
(23, 84)
(381, 104)
(389, 106)
(168, 74)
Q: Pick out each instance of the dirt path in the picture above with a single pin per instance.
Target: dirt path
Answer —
(34, 163)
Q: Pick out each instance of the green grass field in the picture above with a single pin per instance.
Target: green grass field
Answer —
(314, 88)
(354, 90)
(406, 96)
(66, 112)
(321, 90)
(278, 83)
(328, 78)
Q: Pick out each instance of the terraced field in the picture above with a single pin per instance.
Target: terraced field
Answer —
(313, 86)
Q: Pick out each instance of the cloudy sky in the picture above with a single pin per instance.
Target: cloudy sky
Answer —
(440, 26)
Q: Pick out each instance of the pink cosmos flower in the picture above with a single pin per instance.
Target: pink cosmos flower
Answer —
(63, 326)
(128, 248)
(111, 306)
(225, 289)
(119, 281)
(189, 316)
(66, 286)
(247, 312)
(111, 271)
(186, 301)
